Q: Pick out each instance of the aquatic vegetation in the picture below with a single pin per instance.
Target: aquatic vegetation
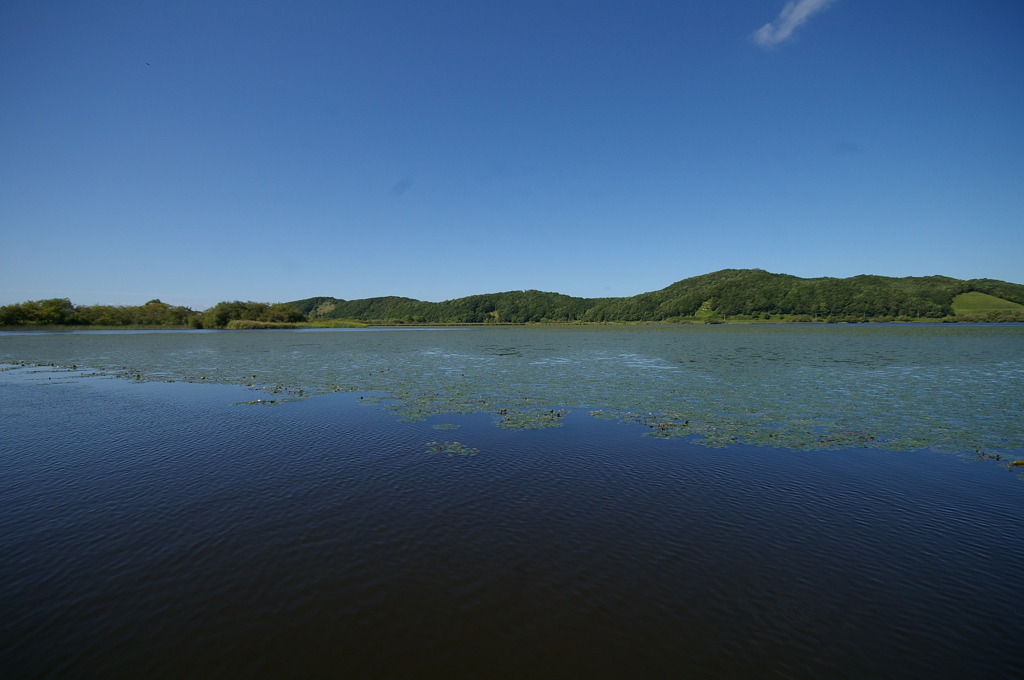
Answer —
(451, 448)
(530, 419)
(952, 388)
(445, 426)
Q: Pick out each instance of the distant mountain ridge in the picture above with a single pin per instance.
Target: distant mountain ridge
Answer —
(729, 294)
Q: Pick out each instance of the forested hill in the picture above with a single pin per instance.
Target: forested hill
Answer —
(735, 294)
(727, 295)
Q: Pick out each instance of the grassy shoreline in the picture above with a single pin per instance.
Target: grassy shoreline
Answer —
(270, 325)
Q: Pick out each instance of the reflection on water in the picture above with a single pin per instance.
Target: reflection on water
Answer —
(958, 388)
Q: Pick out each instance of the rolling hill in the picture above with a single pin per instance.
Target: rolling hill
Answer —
(729, 294)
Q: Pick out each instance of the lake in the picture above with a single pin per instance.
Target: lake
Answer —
(710, 501)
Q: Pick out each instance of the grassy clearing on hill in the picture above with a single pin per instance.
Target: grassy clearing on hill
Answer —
(975, 303)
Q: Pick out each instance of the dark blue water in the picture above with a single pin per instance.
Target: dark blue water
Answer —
(164, 530)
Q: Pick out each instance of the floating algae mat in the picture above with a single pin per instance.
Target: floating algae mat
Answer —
(950, 387)
(451, 448)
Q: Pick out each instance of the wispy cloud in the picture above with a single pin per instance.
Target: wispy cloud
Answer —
(792, 16)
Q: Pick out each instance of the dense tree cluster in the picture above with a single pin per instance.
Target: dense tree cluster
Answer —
(223, 313)
(737, 293)
(61, 312)
(520, 306)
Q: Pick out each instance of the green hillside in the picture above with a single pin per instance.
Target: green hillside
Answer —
(980, 303)
(729, 294)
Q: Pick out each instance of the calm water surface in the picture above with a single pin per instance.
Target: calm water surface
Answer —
(447, 503)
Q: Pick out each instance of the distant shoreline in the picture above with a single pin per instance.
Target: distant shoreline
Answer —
(532, 324)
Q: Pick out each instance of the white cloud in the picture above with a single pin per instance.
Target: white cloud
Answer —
(792, 16)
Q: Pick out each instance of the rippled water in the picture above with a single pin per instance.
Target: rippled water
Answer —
(164, 529)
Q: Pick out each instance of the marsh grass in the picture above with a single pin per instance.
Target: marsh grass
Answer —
(246, 325)
(337, 323)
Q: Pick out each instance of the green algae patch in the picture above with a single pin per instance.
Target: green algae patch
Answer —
(451, 448)
(722, 430)
(530, 419)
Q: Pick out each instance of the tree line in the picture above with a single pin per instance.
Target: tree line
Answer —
(61, 312)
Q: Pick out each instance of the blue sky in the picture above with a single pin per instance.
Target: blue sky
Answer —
(208, 151)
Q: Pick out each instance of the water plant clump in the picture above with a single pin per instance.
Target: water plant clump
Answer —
(451, 448)
(531, 419)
